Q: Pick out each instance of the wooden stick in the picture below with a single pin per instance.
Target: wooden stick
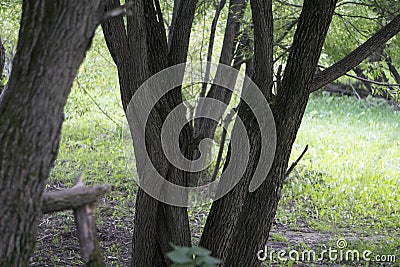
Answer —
(72, 198)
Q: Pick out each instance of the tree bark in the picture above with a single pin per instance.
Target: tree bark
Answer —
(53, 40)
(254, 223)
(156, 224)
(205, 128)
(241, 231)
(221, 222)
(2, 61)
(240, 221)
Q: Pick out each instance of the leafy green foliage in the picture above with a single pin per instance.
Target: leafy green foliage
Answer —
(191, 257)
(10, 12)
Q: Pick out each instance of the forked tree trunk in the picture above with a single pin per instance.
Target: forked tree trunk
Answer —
(254, 223)
(248, 216)
(156, 224)
(239, 223)
(53, 40)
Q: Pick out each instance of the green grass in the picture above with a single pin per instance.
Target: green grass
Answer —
(350, 175)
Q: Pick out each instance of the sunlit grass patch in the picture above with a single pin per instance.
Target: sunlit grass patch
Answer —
(350, 175)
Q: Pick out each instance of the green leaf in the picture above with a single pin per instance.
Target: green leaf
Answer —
(199, 251)
(180, 255)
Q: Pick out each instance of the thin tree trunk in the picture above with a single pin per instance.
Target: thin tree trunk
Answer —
(392, 68)
(221, 222)
(211, 44)
(2, 60)
(52, 43)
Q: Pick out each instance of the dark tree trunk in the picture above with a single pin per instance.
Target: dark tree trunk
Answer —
(53, 40)
(156, 224)
(393, 70)
(2, 61)
(205, 128)
(255, 221)
(248, 227)
(359, 73)
(221, 222)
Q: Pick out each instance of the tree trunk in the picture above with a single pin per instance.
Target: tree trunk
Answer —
(247, 228)
(156, 224)
(205, 128)
(224, 213)
(2, 61)
(393, 70)
(53, 40)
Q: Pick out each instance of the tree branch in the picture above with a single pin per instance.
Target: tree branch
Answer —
(211, 44)
(73, 198)
(225, 125)
(114, 33)
(297, 161)
(371, 81)
(357, 56)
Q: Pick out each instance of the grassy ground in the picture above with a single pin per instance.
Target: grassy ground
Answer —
(346, 186)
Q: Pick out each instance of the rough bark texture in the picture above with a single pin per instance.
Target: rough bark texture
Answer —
(240, 222)
(53, 40)
(156, 224)
(224, 213)
(2, 60)
(254, 223)
(263, 45)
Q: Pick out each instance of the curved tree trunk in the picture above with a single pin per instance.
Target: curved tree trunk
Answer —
(53, 40)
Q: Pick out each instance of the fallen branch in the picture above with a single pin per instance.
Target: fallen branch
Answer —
(72, 198)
